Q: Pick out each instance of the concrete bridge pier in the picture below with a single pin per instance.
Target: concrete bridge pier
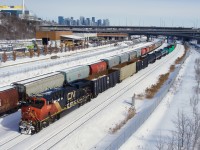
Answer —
(148, 37)
(186, 40)
(129, 37)
(167, 39)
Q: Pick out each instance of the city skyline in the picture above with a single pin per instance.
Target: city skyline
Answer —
(127, 12)
(82, 20)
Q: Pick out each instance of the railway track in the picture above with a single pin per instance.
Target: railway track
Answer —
(51, 140)
(12, 142)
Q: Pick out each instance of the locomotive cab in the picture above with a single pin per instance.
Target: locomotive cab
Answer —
(37, 113)
(31, 115)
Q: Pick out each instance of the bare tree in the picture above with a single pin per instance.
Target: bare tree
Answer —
(171, 144)
(38, 51)
(196, 125)
(45, 50)
(31, 53)
(182, 125)
(160, 142)
(14, 55)
(4, 57)
(197, 75)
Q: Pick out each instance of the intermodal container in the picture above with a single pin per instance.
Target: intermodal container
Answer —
(8, 99)
(75, 73)
(112, 61)
(98, 67)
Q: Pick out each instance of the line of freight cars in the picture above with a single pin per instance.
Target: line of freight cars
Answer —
(38, 110)
(10, 96)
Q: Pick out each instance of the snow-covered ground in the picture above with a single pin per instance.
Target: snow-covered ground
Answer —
(85, 127)
(160, 123)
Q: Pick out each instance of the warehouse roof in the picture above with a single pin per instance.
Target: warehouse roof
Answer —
(72, 37)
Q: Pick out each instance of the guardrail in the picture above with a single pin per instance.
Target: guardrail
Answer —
(115, 141)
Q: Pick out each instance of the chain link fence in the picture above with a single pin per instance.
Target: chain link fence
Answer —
(115, 141)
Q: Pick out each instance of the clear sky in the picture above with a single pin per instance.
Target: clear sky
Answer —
(120, 12)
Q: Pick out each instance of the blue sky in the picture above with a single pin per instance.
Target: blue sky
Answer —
(120, 12)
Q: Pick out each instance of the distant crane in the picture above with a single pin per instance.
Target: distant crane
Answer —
(23, 7)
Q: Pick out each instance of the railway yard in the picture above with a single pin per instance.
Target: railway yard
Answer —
(83, 126)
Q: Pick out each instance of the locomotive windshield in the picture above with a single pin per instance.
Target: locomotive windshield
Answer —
(37, 103)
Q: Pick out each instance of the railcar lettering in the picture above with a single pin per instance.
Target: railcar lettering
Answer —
(71, 95)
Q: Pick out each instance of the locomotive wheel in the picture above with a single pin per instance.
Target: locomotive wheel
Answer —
(47, 123)
(33, 132)
(52, 119)
(19, 130)
(58, 116)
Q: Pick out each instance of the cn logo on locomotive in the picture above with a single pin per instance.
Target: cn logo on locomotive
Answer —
(71, 95)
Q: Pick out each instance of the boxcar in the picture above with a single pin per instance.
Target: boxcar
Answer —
(8, 99)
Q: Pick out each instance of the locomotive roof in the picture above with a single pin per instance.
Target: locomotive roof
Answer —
(48, 92)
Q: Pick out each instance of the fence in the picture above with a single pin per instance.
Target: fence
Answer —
(114, 142)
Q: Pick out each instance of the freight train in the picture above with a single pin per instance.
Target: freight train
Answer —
(44, 98)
